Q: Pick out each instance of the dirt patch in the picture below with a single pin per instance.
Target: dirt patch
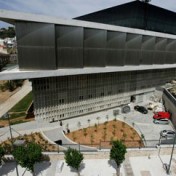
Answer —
(103, 134)
(13, 121)
(33, 137)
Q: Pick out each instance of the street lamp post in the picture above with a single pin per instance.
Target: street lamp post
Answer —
(10, 129)
(168, 168)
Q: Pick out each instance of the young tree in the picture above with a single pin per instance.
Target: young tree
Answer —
(98, 118)
(117, 154)
(79, 124)
(73, 158)
(85, 131)
(107, 118)
(88, 122)
(28, 155)
(96, 127)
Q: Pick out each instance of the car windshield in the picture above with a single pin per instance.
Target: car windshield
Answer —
(170, 132)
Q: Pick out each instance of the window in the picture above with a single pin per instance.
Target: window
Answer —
(61, 101)
(81, 97)
(90, 96)
(102, 94)
(89, 109)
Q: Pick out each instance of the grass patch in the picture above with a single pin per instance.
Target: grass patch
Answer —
(24, 104)
(17, 122)
(16, 115)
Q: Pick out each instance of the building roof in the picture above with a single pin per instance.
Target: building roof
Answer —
(136, 14)
(14, 17)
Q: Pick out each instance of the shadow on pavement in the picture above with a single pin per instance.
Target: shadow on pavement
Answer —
(40, 167)
(7, 168)
(82, 166)
(112, 163)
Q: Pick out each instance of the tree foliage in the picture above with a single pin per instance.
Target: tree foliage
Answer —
(28, 155)
(7, 33)
(2, 153)
(73, 158)
(11, 85)
(117, 152)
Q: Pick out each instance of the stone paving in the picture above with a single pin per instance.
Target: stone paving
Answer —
(137, 163)
(59, 135)
(143, 124)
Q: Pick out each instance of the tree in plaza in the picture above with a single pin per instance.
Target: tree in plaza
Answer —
(107, 118)
(28, 155)
(117, 154)
(2, 153)
(73, 158)
(79, 124)
(98, 118)
(88, 122)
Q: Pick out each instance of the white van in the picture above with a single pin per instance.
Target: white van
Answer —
(161, 121)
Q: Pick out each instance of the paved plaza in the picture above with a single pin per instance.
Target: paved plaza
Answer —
(142, 123)
(143, 165)
(150, 164)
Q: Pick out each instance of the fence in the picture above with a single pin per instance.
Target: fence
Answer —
(101, 145)
(107, 145)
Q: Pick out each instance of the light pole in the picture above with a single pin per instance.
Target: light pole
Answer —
(10, 129)
(168, 166)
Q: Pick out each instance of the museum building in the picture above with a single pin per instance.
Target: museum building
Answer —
(95, 62)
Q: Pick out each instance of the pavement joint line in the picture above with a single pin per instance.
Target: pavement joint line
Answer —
(127, 167)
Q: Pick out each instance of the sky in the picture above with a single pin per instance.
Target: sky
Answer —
(70, 8)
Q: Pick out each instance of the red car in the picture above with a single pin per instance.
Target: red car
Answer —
(162, 115)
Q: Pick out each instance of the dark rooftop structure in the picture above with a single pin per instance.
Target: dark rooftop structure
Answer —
(136, 14)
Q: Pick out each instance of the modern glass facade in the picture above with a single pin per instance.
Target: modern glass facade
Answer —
(49, 46)
(59, 98)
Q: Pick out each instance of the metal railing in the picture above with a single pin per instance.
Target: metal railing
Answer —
(101, 145)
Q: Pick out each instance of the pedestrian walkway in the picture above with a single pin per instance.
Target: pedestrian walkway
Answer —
(141, 165)
(127, 167)
(14, 99)
(57, 134)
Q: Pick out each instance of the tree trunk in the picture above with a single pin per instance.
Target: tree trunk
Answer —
(78, 172)
(118, 170)
(32, 172)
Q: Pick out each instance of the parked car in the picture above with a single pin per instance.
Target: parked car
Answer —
(141, 109)
(162, 115)
(161, 121)
(167, 133)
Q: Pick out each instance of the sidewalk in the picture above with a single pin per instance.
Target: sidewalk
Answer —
(142, 165)
(14, 99)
